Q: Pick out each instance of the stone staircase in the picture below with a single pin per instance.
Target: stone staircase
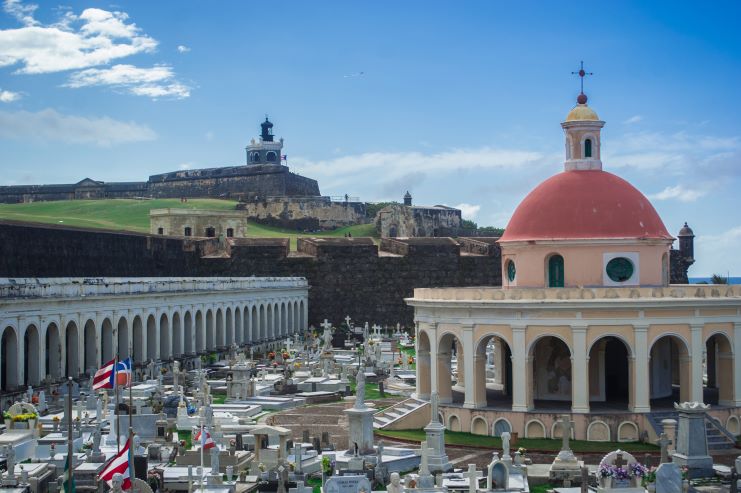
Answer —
(719, 438)
(384, 418)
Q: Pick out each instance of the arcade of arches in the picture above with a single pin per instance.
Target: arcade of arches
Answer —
(583, 350)
(69, 327)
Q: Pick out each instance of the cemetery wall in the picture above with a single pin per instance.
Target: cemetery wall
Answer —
(347, 276)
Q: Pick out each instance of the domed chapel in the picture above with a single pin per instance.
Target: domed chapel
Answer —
(585, 321)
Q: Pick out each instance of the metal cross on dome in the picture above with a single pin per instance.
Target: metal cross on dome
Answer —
(581, 73)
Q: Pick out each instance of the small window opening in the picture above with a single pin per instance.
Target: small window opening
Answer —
(210, 232)
(188, 231)
(160, 231)
(588, 148)
(229, 232)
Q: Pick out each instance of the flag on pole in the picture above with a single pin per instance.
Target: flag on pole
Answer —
(123, 373)
(205, 438)
(69, 479)
(103, 378)
(118, 465)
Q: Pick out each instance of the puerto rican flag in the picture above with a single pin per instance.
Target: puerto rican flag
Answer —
(103, 378)
(123, 373)
(118, 465)
(205, 438)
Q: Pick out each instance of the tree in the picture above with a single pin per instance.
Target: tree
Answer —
(718, 279)
(468, 224)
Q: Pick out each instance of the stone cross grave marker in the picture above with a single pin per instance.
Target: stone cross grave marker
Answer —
(566, 427)
(300, 488)
(505, 446)
(584, 479)
(348, 320)
(473, 478)
(664, 443)
(297, 456)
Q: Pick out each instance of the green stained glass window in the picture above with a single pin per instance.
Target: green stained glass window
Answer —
(620, 269)
(510, 270)
(588, 148)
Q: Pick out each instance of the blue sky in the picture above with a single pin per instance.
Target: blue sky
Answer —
(458, 102)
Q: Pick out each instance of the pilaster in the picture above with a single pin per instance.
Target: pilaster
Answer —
(468, 350)
(697, 348)
(579, 370)
(520, 385)
(736, 364)
(641, 375)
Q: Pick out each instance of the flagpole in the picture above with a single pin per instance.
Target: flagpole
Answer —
(118, 414)
(69, 436)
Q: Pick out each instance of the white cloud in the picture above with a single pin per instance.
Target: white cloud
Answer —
(717, 254)
(209, 135)
(468, 211)
(154, 82)
(678, 192)
(49, 125)
(185, 166)
(391, 166)
(183, 49)
(9, 96)
(95, 37)
(633, 119)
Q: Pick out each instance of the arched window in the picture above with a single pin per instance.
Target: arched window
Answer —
(255, 157)
(270, 157)
(588, 148)
(555, 271)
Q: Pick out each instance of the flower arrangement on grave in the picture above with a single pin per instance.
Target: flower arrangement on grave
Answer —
(261, 467)
(286, 355)
(35, 399)
(522, 451)
(271, 355)
(87, 446)
(275, 364)
(634, 470)
(685, 472)
(56, 419)
(24, 418)
(6, 415)
(291, 466)
(649, 477)
(163, 370)
(410, 360)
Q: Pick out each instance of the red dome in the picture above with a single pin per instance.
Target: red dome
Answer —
(584, 204)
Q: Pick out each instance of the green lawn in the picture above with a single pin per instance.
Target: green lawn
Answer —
(371, 392)
(531, 444)
(133, 215)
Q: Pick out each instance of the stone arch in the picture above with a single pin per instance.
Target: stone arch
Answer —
(9, 356)
(447, 344)
(138, 340)
(91, 347)
(210, 341)
(598, 431)
(535, 429)
(454, 423)
(31, 346)
(424, 378)
(733, 425)
(106, 341)
(493, 357)
(628, 432)
(669, 371)
(550, 371)
(189, 344)
(200, 336)
(255, 324)
(479, 426)
(220, 329)
(177, 334)
(165, 344)
(500, 426)
(122, 341)
(610, 366)
(719, 364)
(151, 338)
(53, 351)
(229, 322)
(72, 350)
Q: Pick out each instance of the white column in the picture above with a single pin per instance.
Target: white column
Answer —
(43, 327)
(468, 367)
(697, 348)
(641, 374)
(579, 370)
(519, 370)
(736, 364)
(21, 356)
(432, 333)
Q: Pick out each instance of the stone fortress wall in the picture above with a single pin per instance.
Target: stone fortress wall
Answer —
(347, 276)
(304, 213)
(232, 182)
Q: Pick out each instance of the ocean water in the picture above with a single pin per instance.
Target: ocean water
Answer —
(731, 280)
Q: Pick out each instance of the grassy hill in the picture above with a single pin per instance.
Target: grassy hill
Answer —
(133, 215)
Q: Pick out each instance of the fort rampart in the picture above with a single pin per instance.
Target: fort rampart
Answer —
(347, 276)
